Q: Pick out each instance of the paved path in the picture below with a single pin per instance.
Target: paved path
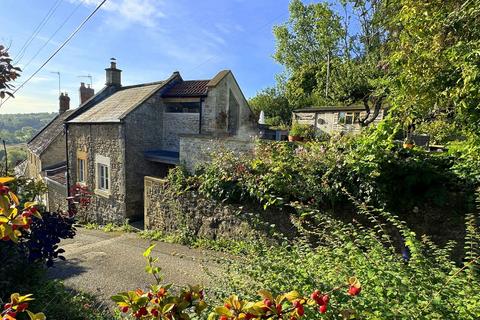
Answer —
(106, 263)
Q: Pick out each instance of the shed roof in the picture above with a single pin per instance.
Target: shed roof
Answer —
(119, 104)
(40, 142)
(355, 107)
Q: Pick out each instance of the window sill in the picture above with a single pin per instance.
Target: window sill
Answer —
(103, 193)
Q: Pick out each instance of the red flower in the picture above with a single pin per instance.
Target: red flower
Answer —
(354, 291)
(322, 308)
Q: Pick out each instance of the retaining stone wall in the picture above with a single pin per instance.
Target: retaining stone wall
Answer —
(187, 211)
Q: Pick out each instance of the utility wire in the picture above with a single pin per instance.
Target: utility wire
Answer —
(35, 32)
(53, 35)
(56, 51)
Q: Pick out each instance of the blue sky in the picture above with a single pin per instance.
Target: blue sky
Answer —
(149, 38)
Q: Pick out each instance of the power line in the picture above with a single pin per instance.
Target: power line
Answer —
(53, 35)
(35, 32)
(58, 49)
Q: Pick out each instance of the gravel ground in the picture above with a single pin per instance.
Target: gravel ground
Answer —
(103, 263)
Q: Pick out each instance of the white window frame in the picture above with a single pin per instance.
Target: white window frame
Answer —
(354, 116)
(103, 175)
(81, 168)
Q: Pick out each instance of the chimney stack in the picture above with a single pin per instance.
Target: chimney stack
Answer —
(85, 92)
(64, 103)
(113, 74)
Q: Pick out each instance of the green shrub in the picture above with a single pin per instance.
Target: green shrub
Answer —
(418, 282)
(302, 130)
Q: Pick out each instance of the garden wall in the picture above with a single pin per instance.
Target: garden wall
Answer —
(171, 211)
(56, 196)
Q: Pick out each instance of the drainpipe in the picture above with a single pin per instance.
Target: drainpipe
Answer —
(65, 127)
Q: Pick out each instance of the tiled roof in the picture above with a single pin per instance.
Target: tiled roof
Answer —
(45, 137)
(189, 88)
(120, 103)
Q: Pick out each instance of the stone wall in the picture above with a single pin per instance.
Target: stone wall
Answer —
(189, 213)
(143, 131)
(56, 196)
(103, 140)
(198, 149)
(176, 124)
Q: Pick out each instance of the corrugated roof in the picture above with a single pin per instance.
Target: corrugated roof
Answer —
(189, 88)
(115, 107)
(45, 137)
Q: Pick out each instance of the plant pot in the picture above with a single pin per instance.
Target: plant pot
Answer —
(407, 145)
(295, 138)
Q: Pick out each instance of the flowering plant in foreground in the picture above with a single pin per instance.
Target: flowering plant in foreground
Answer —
(159, 302)
(13, 219)
(19, 304)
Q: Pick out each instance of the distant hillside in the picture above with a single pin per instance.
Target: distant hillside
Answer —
(21, 127)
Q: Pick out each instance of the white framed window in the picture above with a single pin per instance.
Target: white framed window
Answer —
(81, 166)
(102, 175)
(81, 170)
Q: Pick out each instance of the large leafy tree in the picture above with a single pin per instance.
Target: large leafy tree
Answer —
(327, 63)
(434, 60)
(273, 102)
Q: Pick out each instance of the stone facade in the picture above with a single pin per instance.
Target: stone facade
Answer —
(144, 130)
(106, 140)
(226, 110)
(177, 124)
(198, 149)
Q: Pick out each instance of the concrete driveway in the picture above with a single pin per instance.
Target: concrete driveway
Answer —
(106, 263)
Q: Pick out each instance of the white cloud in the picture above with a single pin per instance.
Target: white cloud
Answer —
(143, 12)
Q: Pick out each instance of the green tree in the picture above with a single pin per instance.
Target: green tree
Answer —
(327, 64)
(274, 104)
(434, 59)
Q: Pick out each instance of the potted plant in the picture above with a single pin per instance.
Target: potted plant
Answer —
(408, 143)
(299, 132)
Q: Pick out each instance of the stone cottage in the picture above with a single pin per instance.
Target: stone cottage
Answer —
(334, 119)
(47, 156)
(124, 133)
